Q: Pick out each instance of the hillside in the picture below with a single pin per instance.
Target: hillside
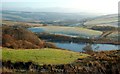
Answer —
(50, 18)
(20, 24)
(61, 19)
(17, 37)
(41, 16)
(106, 20)
(60, 61)
(68, 31)
(44, 56)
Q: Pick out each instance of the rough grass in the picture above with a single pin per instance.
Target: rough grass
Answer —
(42, 56)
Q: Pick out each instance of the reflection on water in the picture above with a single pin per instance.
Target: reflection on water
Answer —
(78, 47)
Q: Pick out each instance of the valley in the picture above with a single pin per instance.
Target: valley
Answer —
(44, 42)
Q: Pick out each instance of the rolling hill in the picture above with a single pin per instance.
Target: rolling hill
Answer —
(106, 20)
(42, 16)
(50, 18)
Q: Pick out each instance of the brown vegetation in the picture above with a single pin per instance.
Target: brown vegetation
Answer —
(104, 62)
(17, 37)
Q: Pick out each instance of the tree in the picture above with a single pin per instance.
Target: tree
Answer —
(88, 48)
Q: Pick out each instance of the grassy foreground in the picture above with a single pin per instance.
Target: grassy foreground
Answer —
(42, 56)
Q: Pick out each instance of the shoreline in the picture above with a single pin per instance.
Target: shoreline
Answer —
(61, 38)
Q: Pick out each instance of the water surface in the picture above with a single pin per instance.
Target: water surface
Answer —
(79, 46)
(73, 32)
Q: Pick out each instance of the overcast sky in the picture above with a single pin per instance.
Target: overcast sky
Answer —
(92, 6)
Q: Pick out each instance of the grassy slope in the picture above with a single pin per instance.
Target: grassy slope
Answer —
(79, 31)
(107, 20)
(43, 56)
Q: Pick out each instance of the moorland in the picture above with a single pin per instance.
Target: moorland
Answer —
(29, 43)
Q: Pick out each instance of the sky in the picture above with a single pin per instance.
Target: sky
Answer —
(91, 6)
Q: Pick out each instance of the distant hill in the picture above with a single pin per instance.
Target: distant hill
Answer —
(54, 18)
(61, 19)
(106, 20)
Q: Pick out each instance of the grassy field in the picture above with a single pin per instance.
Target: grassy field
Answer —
(42, 56)
(74, 31)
